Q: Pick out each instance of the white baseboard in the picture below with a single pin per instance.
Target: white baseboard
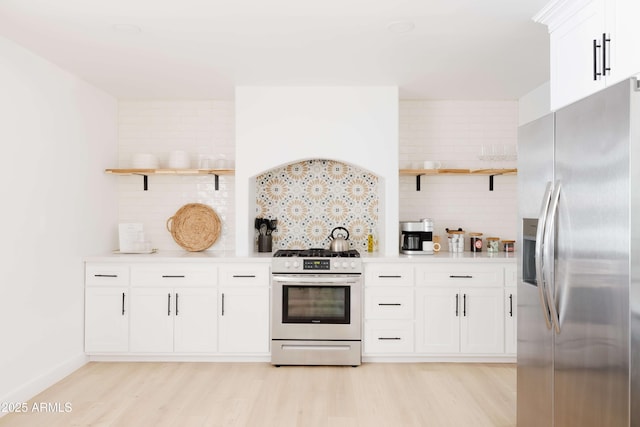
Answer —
(34, 386)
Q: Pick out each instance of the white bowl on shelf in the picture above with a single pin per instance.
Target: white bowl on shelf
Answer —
(179, 160)
(144, 161)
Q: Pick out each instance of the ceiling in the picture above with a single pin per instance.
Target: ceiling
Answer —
(202, 49)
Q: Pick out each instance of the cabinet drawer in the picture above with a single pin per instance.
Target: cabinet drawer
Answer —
(463, 274)
(388, 336)
(106, 274)
(388, 303)
(245, 274)
(388, 274)
(174, 275)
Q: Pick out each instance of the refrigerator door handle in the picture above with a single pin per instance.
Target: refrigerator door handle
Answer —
(540, 235)
(549, 255)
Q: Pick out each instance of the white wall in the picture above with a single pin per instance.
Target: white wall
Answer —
(280, 125)
(159, 127)
(453, 132)
(58, 135)
(534, 104)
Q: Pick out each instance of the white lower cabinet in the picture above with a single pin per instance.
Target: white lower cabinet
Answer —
(165, 320)
(460, 309)
(388, 325)
(106, 319)
(243, 321)
(464, 320)
(106, 308)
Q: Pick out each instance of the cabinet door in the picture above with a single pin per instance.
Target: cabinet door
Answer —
(572, 55)
(437, 320)
(624, 32)
(106, 320)
(196, 320)
(510, 324)
(152, 320)
(482, 320)
(243, 319)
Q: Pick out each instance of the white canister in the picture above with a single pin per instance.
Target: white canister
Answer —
(179, 159)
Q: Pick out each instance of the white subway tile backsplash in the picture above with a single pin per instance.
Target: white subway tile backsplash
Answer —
(449, 131)
(159, 127)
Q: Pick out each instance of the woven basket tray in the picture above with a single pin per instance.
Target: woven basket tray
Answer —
(195, 227)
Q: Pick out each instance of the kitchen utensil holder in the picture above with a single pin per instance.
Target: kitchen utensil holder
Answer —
(264, 243)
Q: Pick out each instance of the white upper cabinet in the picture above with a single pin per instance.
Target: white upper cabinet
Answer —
(592, 46)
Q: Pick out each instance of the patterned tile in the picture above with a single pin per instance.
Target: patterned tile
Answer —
(311, 198)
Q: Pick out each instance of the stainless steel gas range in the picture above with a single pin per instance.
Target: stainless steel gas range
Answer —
(316, 307)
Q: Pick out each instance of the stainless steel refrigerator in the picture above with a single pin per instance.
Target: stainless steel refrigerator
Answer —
(579, 263)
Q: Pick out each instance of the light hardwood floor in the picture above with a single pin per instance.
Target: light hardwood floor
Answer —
(258, 394)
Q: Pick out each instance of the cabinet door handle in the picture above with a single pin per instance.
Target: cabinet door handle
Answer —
(605, 40)
(510, 305)
(169, 276)
(389, 338)
(105, 275)
(244, 276)
(464, 305)
(596, 74)
(123, 303)
(176, 303)
(457, 304)
(168, 304)
(395, 304)
(391, 276)
(465, 276)
(223, 303)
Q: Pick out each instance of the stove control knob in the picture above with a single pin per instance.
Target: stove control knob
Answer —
(344, 264)
(295, 264)
(336, 264)
(287, 264)
(353, 264)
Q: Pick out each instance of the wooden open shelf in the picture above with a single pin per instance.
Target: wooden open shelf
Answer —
(488, 172)
(146, 172)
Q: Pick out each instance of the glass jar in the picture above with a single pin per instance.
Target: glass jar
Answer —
(493, 243)
(455, 239)
(509, 245)
(475, 242)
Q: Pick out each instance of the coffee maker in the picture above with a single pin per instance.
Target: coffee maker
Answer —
(416, 237)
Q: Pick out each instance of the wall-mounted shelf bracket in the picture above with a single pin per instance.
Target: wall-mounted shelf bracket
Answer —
(418, 181)
(491, 182)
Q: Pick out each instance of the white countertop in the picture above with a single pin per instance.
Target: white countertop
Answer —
(230, 256)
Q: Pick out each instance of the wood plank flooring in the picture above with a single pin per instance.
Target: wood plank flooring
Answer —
(258, 394)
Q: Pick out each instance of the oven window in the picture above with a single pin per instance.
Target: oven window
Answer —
(316, 304)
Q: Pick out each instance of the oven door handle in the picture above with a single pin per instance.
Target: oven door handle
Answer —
(316, 280)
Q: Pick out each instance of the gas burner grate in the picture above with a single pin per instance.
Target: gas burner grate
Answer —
(316, 253)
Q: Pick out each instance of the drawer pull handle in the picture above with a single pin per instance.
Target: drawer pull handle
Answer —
(389, 338)
(168, 276)
(457, 303)
(123, 303)
(390, 277)
(105, 275)
(176, 303)
(466, 276)
(223, 303)
(168, 304)
(395, 304)
(244, 276)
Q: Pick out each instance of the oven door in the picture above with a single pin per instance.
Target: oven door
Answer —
(316, 307)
